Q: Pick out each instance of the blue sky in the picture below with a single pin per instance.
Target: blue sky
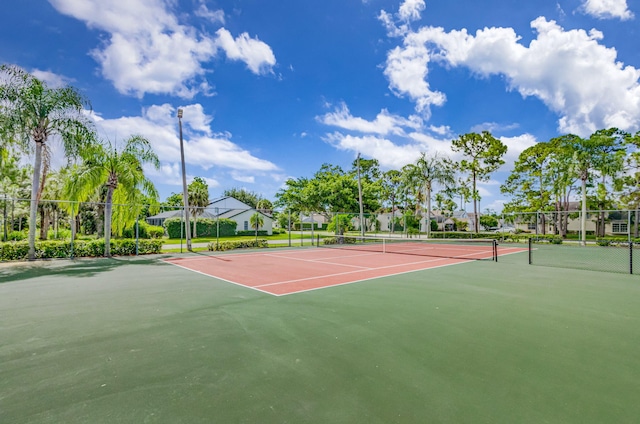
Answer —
(274, 89)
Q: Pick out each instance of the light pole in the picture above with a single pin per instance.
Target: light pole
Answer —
(185, 193)
(362, 229)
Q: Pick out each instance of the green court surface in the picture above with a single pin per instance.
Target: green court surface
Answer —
(135, 340)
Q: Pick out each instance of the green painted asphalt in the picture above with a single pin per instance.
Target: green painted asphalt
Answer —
(135, 340)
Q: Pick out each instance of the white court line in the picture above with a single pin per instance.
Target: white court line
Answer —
(349, 272)
(219, 278)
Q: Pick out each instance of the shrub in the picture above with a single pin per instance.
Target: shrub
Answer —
(48, 249)
(556, 240)
(205, 227)
(62, 234)
(145, 231)
(17, 235)
(237, 244)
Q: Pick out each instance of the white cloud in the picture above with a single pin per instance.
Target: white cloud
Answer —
(51, 79)
(384, 123)
(389, 155)
(256, 54)
(148, 51)
(570, 71)
(410, 10)
(215, 16)
(203, 147)
(249, 179)
(515, 146)
(407, 71)
(607, 9)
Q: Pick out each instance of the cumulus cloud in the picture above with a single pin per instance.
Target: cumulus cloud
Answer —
(515, 146)
(570, 71)
(388, 153)
(215, 16)
(410, 10)
(148, 51)
(257, 55)
(607, 9)
(203, 148)
(384, 123)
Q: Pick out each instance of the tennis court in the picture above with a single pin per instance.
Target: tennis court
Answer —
(293, 271)
(134, 340)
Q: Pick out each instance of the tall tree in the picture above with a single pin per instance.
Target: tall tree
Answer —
(120, 170)
(31, 114)
(433, 170)
(391, 184)
(293, 196)
(609, 163)
(529, 183)
(198, 199)
(483, 155)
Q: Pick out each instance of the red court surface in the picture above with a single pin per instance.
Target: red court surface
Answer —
(282, 272)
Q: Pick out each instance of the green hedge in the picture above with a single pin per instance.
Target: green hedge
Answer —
(205, 227)
(252, 233)
(145, 231)
(237, 244)
(12, 251)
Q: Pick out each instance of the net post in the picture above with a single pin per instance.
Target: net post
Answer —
(495, 250)
(317, 240)
(630, 257)
(530, 250)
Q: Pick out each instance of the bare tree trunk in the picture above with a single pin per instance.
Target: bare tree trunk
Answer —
(108, 208)
(33, 210)
(44, 223)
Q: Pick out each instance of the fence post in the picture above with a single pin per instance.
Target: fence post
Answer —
(137, 241)
(289, 228)
(73, 230)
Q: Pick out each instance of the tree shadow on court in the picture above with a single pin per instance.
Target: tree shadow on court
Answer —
(80, 268)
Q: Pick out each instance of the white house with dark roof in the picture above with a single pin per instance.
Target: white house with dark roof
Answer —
(224, 207)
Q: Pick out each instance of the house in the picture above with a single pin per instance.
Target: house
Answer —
(615, 222)
(315, 219)
(224, 207)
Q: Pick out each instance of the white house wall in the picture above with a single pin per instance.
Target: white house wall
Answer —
(246, 216)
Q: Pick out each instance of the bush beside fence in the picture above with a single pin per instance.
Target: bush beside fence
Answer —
(50, 249)
(237, 244)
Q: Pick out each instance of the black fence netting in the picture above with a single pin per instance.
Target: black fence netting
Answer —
(605, 256)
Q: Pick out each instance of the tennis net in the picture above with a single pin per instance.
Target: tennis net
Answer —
(472, 249)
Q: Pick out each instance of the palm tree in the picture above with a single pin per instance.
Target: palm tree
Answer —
(391, 184)
(256, 222)
(120, 171)
(432, 170)
(30, 114)
(198, 199)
